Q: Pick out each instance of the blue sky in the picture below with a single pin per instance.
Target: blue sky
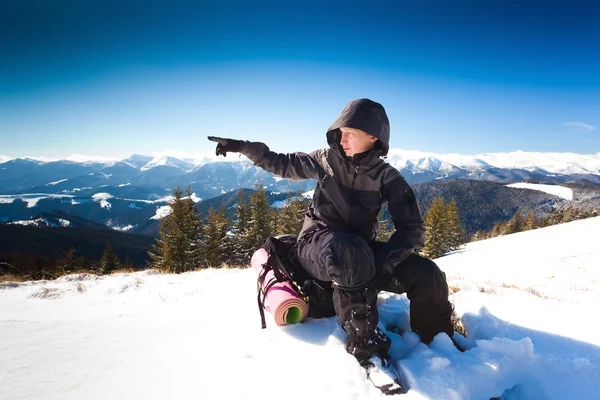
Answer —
(113, 79)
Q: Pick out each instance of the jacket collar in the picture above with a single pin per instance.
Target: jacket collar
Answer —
(369, 158)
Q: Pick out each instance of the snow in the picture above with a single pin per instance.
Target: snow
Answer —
(195, 198)
(123, 228)
(57, 182)
(309, 194)
(166, 199)
(527, 301)
(42, 222)
(168, 161)
(552, 162)
(28, 222)
(557, 190)
(31, 198)
(560, 163)
(162, 212)
(103, 199)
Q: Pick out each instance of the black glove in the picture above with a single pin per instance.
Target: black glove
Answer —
(225, 146)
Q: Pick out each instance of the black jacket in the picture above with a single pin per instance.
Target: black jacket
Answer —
(350, 191)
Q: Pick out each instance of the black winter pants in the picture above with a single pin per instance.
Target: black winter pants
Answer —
(348, 261)
(426, 287)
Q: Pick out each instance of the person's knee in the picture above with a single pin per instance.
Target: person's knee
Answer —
(430, 286)
(352, 264)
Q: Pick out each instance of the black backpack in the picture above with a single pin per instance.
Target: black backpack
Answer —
(283, 262)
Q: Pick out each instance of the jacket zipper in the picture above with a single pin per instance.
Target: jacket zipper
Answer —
(352, 196)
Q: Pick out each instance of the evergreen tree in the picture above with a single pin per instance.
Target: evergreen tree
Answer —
(109, 261)
(261, 221)
(300, 208)
(128, 264)
(530, 221)
(178, 247)
(385, 230)
(516, 224)
(215, 242)
(290, 217)
(240, 244)
(80, 264)
(285, 217)
(456, 233)
(67, 263)
(498, 229)
(478, 235)
(555, 218)
(570, 214)
(436, 225)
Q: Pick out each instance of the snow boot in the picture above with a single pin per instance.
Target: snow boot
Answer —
(382, 375)
(356, 310)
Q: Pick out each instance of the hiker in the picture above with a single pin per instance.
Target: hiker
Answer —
(337, 241)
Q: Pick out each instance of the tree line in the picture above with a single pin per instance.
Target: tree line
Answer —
(520, 223)
(190, 240)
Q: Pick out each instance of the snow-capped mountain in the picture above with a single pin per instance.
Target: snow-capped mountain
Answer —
(420, 167)
(210, 175)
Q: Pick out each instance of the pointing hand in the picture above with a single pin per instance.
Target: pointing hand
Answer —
(225, 146)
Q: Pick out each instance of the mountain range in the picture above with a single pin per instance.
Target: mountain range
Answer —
(211, 176)
(131, 194)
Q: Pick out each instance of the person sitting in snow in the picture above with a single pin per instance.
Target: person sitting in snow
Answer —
(337, 241)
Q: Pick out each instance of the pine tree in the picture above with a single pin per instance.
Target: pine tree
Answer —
(530, 221)
(456, 233)
(215, 242)
(515, 224)
(178, 247)
(67, 264)
(80, 264)
(299, 209)
(498, 229)
(436, 225)
(385, 230)
(285, 217)
(240, 243)
(109, 261)
(290, 217)
(128, 264)
(478, 235)
(261, 221)
(570, 214)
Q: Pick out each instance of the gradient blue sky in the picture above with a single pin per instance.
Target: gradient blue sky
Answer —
(114, 78)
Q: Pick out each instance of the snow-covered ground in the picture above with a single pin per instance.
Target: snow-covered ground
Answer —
(557, 190)
(529, 302)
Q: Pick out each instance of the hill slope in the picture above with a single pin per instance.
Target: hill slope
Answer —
(527, 301)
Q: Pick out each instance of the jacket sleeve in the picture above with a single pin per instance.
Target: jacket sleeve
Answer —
(295, 166)
(407, 219)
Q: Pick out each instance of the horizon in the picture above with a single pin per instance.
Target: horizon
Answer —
(202, 157)
(111, 80)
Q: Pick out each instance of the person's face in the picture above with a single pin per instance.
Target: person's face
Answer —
(355, 141)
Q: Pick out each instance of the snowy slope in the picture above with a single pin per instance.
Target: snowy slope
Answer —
(528, 301)
(557, 190)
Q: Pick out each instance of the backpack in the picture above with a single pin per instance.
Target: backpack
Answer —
(283, 262)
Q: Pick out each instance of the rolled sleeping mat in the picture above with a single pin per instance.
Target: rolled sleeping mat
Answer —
(281, 299)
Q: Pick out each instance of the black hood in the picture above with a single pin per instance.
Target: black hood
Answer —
(366, 115)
